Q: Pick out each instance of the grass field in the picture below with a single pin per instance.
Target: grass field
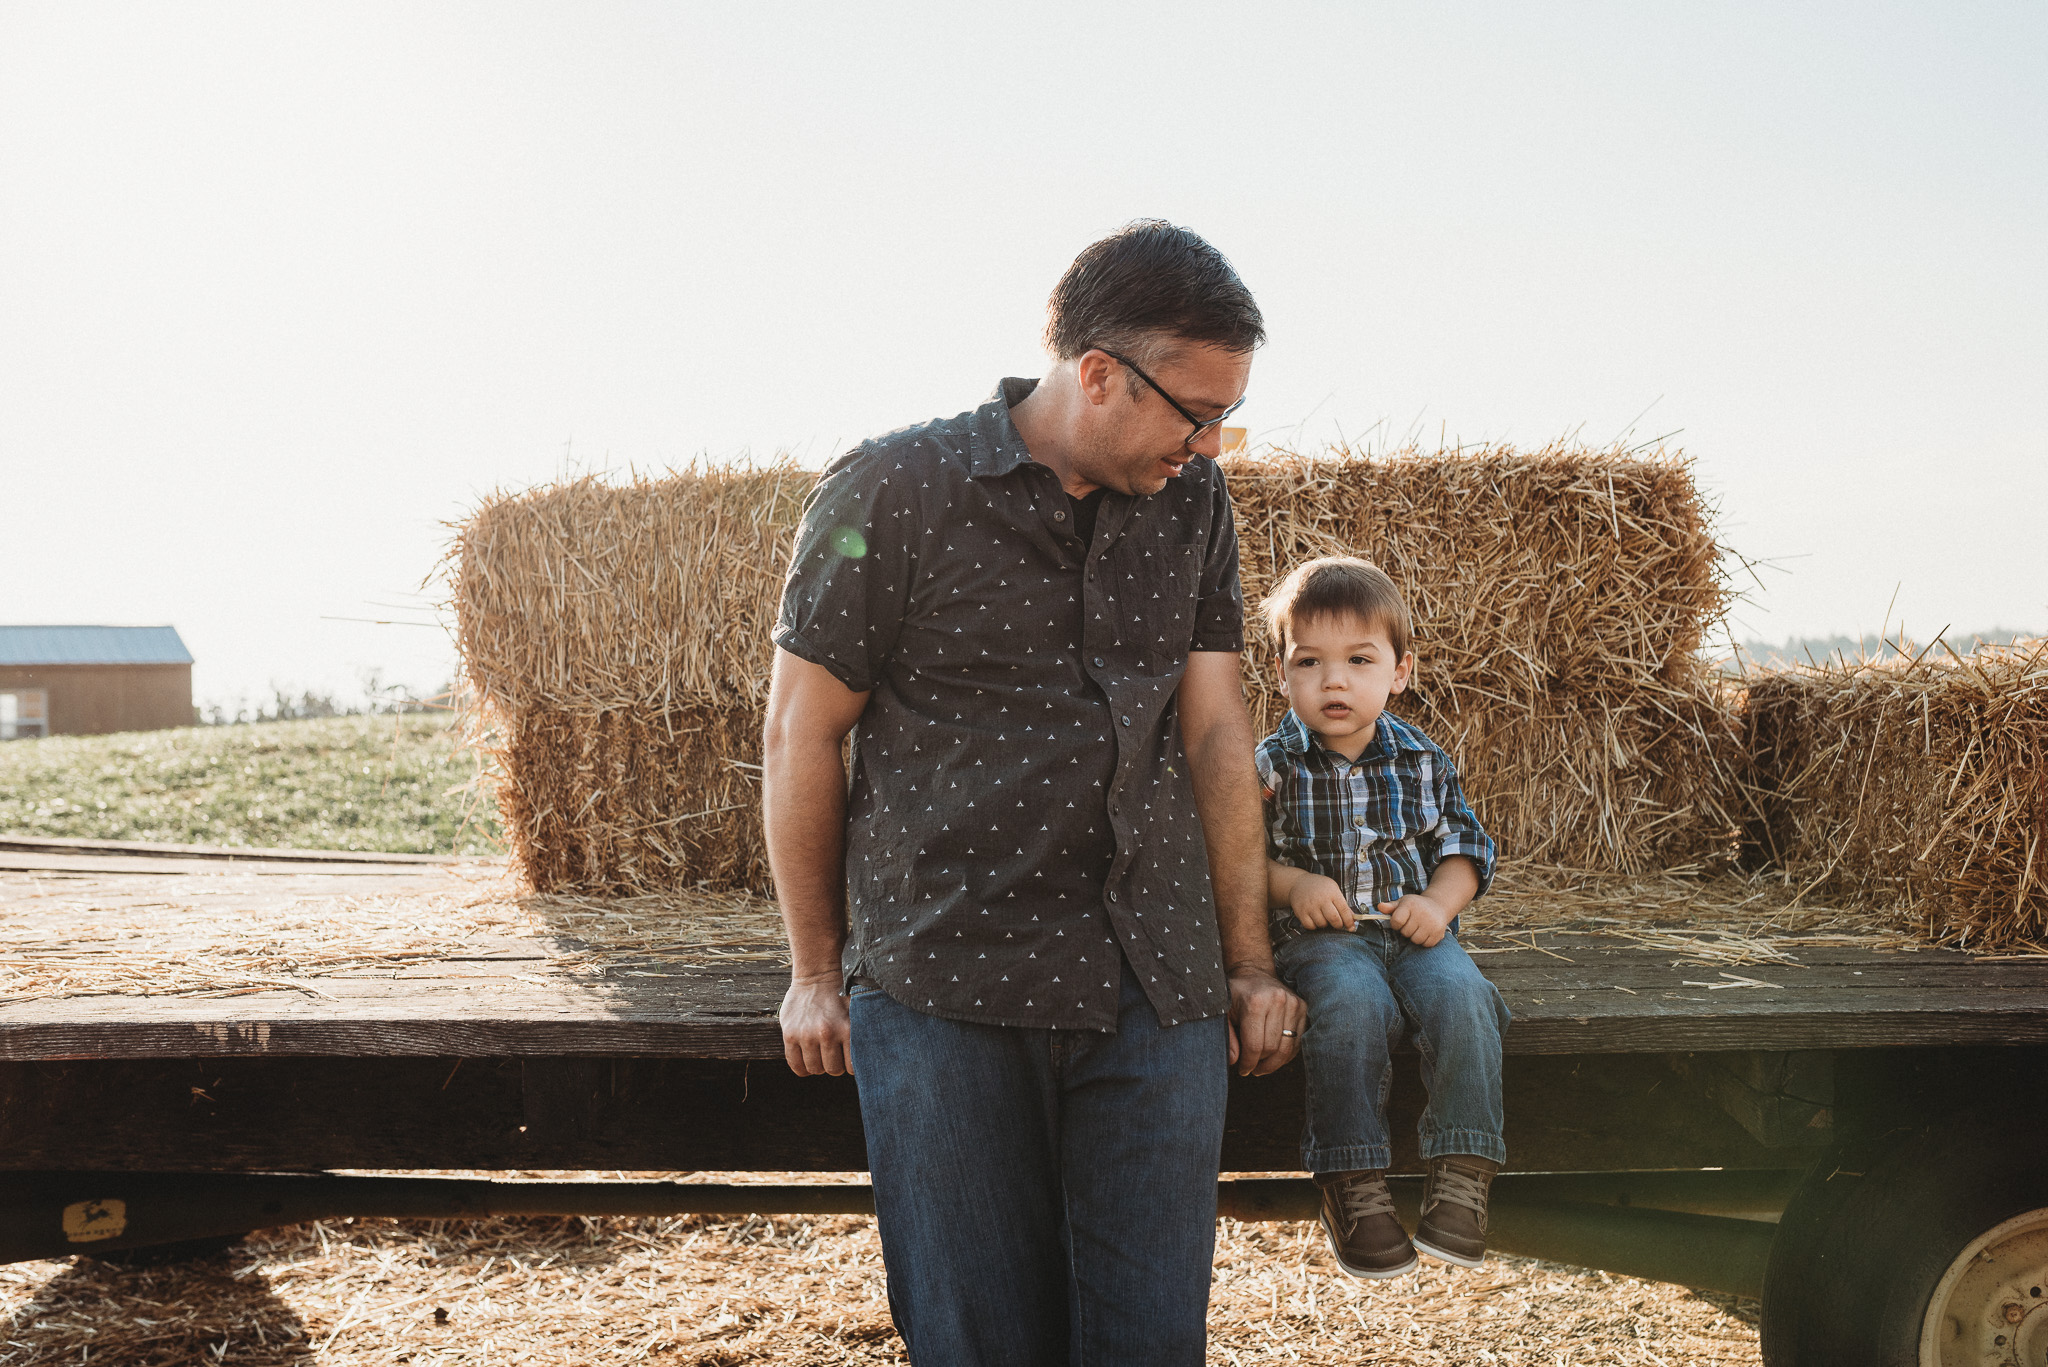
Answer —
(399, 784)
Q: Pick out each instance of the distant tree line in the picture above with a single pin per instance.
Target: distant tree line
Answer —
(377, 698)
(1821, 649)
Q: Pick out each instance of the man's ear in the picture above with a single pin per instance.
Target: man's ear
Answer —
(1095, 372)
(1403, 672)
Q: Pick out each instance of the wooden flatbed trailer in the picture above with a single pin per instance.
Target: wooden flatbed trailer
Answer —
(1857, 1137)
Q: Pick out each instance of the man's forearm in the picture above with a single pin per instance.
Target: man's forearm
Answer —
(803, 809)
(1227, 797)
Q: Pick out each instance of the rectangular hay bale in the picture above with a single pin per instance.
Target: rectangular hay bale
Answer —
(619, 637)
(1920, 784)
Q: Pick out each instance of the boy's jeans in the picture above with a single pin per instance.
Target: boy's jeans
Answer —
(1364, 988)
(1044, 1196)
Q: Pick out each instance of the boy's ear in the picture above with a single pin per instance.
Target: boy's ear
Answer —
(1403, 672)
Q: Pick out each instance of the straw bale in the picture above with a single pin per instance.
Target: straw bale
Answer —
(619, 637)
(1918, 783)
(1562, 600)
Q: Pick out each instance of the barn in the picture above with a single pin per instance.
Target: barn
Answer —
(83, 680)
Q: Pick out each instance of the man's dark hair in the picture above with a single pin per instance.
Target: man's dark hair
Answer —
(1145, 287)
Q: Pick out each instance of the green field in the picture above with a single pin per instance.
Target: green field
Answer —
(339, 783)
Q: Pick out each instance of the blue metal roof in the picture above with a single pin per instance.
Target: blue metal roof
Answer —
(92, 646)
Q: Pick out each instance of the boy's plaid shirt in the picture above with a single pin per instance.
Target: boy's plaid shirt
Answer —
(1379, 825)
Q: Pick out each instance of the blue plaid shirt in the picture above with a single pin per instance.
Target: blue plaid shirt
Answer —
(1378, 825)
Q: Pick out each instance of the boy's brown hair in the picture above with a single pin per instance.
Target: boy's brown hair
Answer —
(1332, 586)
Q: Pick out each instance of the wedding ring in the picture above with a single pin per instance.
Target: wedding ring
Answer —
(1289, 1034)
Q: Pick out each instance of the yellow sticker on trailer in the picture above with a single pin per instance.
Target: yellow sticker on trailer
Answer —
(89, 1221)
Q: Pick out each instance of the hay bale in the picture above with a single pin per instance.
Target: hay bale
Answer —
(1918, 783)
(617, 637)
(1562, 600)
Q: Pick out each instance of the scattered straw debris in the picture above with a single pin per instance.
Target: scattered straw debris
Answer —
(231, 935)
(234, 935)
(700, 1291)
(1919, 784)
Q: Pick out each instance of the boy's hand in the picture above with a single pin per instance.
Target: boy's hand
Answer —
(1421, 918)
(1319, 904)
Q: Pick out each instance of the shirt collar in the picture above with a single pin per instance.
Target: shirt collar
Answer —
(994, 446)
(1391, 733)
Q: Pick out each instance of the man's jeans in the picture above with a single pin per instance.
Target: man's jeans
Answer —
(1044, 1196)
(1364, 988)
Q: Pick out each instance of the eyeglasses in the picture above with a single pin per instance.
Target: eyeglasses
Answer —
(1201, 427)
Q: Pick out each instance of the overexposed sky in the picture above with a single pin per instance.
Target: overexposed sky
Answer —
(285, 288)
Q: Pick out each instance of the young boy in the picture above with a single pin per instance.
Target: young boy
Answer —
(1374, 854)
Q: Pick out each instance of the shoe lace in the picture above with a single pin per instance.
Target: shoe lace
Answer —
(1460, 1188)
(1363, 1197)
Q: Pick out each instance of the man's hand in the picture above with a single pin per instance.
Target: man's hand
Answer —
(815, 1035)
(1266, 1021)
(1420, 917)
(1319, 903)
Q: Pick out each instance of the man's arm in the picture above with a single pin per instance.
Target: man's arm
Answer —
(803, 808)
(1218, 736)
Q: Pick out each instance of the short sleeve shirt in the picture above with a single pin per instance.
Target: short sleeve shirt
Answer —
(1021, 812)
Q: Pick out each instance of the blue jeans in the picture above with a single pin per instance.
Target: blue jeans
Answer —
(1044, 1196)
(1365, 988)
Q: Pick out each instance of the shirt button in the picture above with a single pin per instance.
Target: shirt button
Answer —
(1098, 662)
(1060, 516)
(1358, 821)
(1112, 894)
(1127, 721)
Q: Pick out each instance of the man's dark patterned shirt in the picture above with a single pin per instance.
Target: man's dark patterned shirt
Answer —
(1021, 809)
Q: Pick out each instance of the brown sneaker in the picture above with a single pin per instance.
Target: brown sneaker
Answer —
(1365, 1233)
(1453, 1225)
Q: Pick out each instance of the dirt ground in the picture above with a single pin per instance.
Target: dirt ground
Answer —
(718, 1292)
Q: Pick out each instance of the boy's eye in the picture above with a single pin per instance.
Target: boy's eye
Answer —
(1360, 660)
(1305, 662)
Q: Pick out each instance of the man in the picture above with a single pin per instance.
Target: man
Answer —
(1029, 617)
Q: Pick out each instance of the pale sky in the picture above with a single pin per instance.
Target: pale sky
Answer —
(285, 288)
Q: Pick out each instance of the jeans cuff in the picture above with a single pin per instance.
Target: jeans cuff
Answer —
(1350, 1158)
(1478, 1143)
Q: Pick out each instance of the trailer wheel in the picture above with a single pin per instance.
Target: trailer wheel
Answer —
(1934, 1255)
(163, 1255)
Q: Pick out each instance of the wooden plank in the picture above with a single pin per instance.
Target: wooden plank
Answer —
(18, 861)
(487, 1011)
(511, 997)
(51, 844)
